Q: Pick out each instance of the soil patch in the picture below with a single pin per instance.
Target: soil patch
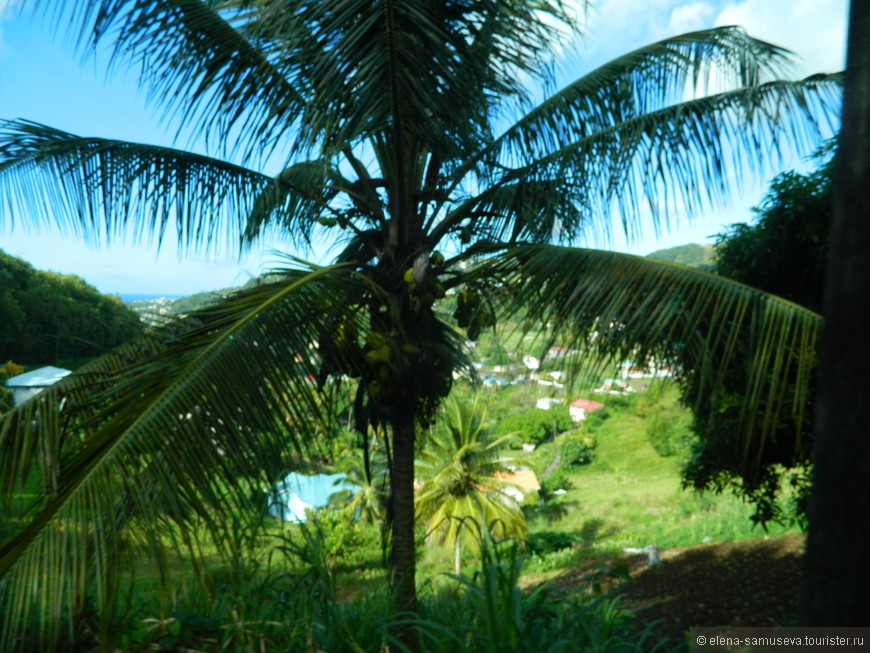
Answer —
(749, 583)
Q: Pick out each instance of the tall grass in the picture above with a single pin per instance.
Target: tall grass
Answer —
(288, 602)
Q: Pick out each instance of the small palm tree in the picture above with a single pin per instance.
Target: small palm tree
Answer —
(369, 502)
(407, 137)
(460, 465)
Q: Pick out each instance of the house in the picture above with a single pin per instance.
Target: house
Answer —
(520, 482)
(26, 385)
(297, 493)
(580, 408)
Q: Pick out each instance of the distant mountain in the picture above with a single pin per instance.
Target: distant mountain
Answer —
(695, 256)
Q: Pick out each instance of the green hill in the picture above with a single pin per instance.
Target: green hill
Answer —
(695, 256)
(48, 318)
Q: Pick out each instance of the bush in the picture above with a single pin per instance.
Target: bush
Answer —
(536, 426)
(670, 433)
(545, 542)
(576, 450)
(557, 480)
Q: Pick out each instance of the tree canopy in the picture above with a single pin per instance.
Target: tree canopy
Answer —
(51, 319)
(408, 138)
(782, 251)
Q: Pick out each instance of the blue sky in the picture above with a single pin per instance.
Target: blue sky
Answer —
(43, 78)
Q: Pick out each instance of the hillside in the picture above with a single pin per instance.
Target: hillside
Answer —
(48, 318)
(157, 309)
(695, 256)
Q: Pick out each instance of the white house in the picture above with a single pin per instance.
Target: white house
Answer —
(531, 362)
(26, 385)
(546, 403)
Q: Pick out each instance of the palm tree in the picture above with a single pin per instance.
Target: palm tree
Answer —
(461, 469)
(406, 134)
(370, 476)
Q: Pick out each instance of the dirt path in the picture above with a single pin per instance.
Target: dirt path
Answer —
(749, 583)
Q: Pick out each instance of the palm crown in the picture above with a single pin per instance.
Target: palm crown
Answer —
(404, 132)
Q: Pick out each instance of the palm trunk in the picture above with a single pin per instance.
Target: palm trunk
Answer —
(836, 588)
(457, 555)
(404, 550)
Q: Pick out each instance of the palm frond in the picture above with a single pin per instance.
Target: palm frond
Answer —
(643, 81)
(616, 306)
(167, 450)
(459, 464)
(195, 63)
(295, 200)
(680, 157)
(102, 189)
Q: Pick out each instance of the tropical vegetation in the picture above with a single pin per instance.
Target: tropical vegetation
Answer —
(461, 469)
(782, 251)
(406, 135)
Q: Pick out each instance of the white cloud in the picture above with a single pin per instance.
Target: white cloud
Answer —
(815, 30)
(690, 17)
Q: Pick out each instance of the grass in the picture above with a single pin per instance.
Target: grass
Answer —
(630, 496)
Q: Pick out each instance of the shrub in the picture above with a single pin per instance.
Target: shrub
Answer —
(536, 426)
(670, 433)
(576, 449)
(545, 542)
(556, 480)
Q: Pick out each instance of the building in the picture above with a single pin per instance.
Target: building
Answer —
(521, 482)
(580, 408)
(24, 386)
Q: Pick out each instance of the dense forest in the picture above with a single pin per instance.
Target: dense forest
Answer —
(48, 318)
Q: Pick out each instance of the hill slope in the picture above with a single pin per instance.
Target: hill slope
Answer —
(48, 318)
(695, 256)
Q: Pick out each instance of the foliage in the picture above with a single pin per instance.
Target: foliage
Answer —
(543, 542)
(783, 252)
(535, 425)
(406, 130)
(577, 449)
(488, 612)
(670, 432)
(370, 501)
(558, 479)
(49, 318)
(197, 301)
(8, 370)
(462, 493)
(265, 609)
